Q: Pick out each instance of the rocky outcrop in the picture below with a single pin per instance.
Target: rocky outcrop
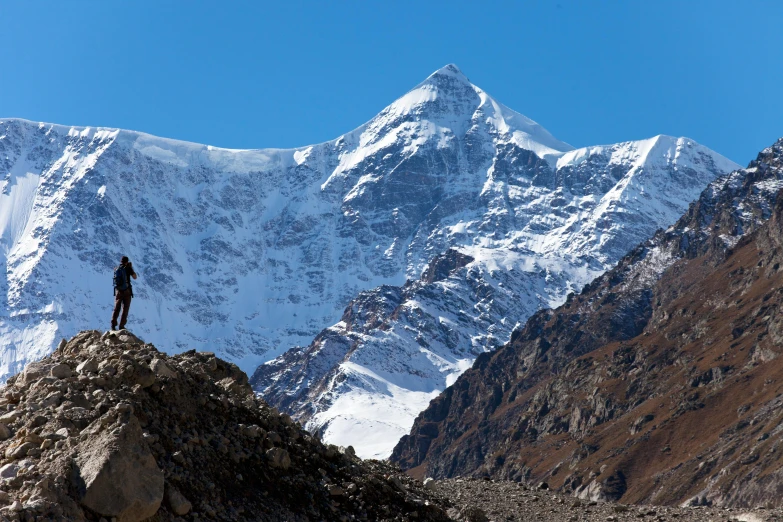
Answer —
(443, 265)
(303, 381)
(656, 384)
(109, 428)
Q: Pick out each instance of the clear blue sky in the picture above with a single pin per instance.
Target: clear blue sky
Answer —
(284, 74)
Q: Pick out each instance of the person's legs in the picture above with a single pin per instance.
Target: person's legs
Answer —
(116, 314)
(126, 301)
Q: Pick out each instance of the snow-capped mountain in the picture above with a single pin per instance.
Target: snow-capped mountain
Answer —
(528, 221)
(247, 253)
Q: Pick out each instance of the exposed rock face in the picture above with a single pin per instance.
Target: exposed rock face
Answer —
(142, 436)
(656, 384)
(114, 470)
(442, 266)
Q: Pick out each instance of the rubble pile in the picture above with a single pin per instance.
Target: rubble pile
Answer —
(482, 500)
(108, 428)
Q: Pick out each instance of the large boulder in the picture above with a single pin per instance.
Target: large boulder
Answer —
(162, 369)
(88, 366)
(178, 504)
(278, 458)
(34, 371)
(114, 470)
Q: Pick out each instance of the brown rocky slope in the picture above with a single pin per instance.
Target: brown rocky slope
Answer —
(109, 428)
(660, 383)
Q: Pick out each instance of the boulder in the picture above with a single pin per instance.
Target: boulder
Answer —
(9, 471)
(88, 366)
(145, 377)
(178, 504)
(18, 452)
(53, 399)
(5, 432)
(115, 473)
(11, 416)
(234, 386)
(348, 451)
(125, 336)
(162, 369)
(61, 371)
(34, 371)
(472, 514)
(252, 431)
(397, 483)
(278, 458)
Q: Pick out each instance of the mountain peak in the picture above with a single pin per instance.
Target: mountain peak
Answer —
(449, 78)
(448, 99)
(450, 71)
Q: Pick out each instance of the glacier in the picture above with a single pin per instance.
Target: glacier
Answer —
(258, 255)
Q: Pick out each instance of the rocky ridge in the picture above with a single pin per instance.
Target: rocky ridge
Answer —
(656, 384)
(109, 428)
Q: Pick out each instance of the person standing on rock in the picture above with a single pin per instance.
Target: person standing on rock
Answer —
(123, 292)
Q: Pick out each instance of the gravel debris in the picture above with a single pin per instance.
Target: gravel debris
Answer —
(474, 500)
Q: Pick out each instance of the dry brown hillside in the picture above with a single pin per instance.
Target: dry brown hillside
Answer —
(665, 390)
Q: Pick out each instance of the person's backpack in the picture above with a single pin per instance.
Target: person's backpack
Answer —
(120, 279)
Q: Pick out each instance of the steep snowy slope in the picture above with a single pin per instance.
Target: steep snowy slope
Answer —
(534, 223)
(247, 253)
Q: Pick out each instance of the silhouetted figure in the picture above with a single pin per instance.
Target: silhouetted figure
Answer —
(123, 292)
